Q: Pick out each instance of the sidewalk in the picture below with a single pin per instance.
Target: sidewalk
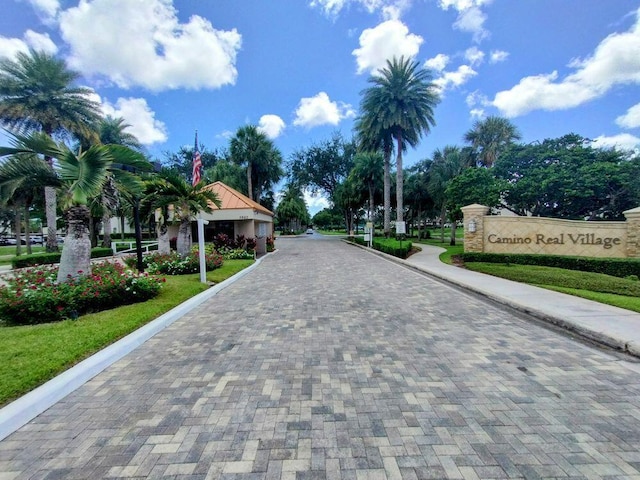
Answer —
(611, 326)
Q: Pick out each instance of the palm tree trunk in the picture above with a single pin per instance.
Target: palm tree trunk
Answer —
(18, 229)
(371, 202)
(184, 237)
(164, 246)
(75, 260)
(122, 227)
(50, 201)
(399, 183)
(27, 227)
(106, 228)
(387, 193)
(249, 183)
(443, 216)
(452, 240)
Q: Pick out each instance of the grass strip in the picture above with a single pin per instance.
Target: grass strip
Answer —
(32, 355)
(606, 289)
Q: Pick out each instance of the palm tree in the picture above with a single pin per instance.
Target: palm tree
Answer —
(169, 190)
(36, 94)
(78, 176)
(490, 137)
(373, 138)
(253, 150)
(112, 132)
(368, 168)
(292, 209)
(402, 99)
(447, 164)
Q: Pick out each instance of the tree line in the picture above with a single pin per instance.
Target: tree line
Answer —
(68, 157)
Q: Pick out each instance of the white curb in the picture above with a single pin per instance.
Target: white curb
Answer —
(26, 408)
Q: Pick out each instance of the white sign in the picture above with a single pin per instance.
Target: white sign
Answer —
(401, 228)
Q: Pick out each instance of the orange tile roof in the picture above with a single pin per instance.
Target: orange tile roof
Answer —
(233, 199)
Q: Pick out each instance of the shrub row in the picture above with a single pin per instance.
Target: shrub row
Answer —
(174, 264)
(33, 296)
(395, 248)
(617, 267)
(54, 257)
(389, 246)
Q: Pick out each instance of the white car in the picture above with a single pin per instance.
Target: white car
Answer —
(309, 231)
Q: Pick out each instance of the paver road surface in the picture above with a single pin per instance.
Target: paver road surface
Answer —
(330, 362)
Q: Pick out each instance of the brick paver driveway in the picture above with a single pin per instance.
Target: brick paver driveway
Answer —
(329, 362)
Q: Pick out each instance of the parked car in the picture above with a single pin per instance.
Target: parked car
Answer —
(309, 231)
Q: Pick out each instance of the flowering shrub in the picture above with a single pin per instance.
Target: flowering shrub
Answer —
(271, 244)
(235, 253)
(222, 240)
(174, 264)
(32, 296)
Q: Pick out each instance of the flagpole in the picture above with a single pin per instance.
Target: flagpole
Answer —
(200, 221)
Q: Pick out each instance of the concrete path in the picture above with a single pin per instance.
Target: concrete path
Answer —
(611, 326)
(330, 362)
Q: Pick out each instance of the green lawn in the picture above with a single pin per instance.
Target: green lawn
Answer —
(619, 292)
(31, 355)
(445, 257)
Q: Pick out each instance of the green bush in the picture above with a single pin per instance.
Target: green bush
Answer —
(54, 257)
(174, 264)
(617, 267)
(33, 296)
(393, 247)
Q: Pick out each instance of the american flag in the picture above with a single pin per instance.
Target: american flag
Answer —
(197, 164)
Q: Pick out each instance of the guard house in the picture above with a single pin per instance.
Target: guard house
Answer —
(238, 215)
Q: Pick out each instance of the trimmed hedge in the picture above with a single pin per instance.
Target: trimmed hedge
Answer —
(617, 267)
(392, 248)
(54, 257)
(389, 246)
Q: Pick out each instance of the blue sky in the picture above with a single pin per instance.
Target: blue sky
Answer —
(297, 67)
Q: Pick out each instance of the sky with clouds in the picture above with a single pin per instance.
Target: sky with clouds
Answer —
(296, 68)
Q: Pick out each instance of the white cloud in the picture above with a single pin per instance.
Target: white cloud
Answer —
(472, 21)
(460, 5)
(474, 55)
(437, 63)
(477, 113)
(315, 203)
(320, 110)
(477, 98)
(136, 112)
(455, 78)
(271, 125)
(631, 119)
(144, 44)
(614, 62)
(9, 47)
(622, 141)
(48, 8)
(498, 56)
(390, 9)
(470, 16)
(383, 42)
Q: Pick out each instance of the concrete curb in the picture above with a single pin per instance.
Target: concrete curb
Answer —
(26, 408)
(594, 335)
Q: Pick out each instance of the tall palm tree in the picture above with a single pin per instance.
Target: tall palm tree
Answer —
(490, 137)
(447, 164)
(368, 168)
(78, 176)
(252, 149)
(402, 98)
(169, 190)
(37, 94)
(373, 138)
(112, 132)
